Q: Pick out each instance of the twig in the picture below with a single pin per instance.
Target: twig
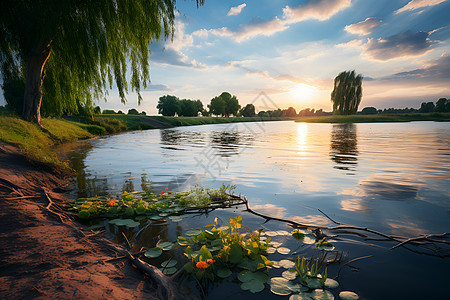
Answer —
(329, 217)
(425, 237)
(126, 239)
(22, 197)
(352, 260)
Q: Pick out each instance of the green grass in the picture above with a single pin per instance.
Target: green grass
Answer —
(440, 117)
(191, 121)
(37, 145)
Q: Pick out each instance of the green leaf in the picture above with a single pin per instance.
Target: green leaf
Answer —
(236, 255)
(280, 286)
(83, 214)
(182, 241)
(347, 295)
(189, 267)
(165, 245)
(224, 272)
(296, 233)
(153, 252)
(168, 271)
(313, 283)
(331, 283)
(247, 275)
(193, 232)
(169, 263)
(325, 246)
(283, 250)
(319, 294)
(253, 286)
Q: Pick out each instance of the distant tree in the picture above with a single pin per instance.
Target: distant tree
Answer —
(347, 93)
(217, 106)
(168, 105)
(143, 113)
(263, 114)
(369, 111)
(120, 112)
(205, 113)
(198, 106)
(290, 112)
(442, 105)
(108, 112)
(187, 108)
(79, 47)
(248, 111)
(275, 113)
(97, 110)
(133, 111)
(231, 104)
(426, 107)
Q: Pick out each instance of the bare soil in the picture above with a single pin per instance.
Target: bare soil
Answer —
(44, 253)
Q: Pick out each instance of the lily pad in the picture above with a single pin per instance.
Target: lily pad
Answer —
(275, 244)
(176, 218)
(271, 233)
(168, 271)
(282, 286)
(153, 252)
(313, 283)
(325, 246)
(253, 286)
(308, 240)
(271, 250)
(319, 294)
(283, 250)
(165, 245)
(247, 275)
(169, 263)
(287, 264)
(347, 295)
(125, 222)
(193, 232)
(331, 283)
(289, 275)
(224, 272)
(283, 232)
(302, 296)
(182, 241)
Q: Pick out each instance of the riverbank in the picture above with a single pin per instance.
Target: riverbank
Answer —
(437, 117)
(44, 253)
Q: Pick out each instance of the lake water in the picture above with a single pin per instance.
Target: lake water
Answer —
(389, 177)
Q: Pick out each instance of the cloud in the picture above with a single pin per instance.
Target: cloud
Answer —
(416, 4)
(404, 44)
(288, 77)
(314, 9)
(170, 56)
(253, 28)
(364, 27)
(319, 10)
(258, 73)
(158, 88)
(236, 10)
(437, 70)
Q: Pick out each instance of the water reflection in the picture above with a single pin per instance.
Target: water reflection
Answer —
(344, 146)
(229, 143)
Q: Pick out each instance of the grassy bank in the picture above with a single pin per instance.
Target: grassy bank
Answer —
(37, 145)
(439, 117)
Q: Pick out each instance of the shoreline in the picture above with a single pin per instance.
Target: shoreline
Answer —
(44, 252)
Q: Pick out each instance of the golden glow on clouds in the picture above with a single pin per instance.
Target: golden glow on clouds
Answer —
(303, 92)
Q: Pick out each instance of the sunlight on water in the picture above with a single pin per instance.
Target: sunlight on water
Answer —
(379, 175)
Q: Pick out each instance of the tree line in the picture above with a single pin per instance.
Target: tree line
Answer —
(442, 105)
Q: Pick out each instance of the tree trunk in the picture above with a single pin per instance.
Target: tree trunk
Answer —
(33, 84)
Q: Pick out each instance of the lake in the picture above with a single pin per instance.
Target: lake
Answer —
(390, 177)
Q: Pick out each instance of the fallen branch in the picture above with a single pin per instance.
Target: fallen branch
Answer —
(352, 260)
(425, 237)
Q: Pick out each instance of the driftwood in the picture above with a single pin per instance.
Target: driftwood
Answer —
(427, 242)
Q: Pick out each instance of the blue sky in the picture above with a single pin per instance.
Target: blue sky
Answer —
(292, 50)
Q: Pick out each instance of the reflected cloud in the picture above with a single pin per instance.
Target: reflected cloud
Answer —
(344, 146)
(281, 212)
(229, 143)
(312, 220)
(380, 187)
(405, 228)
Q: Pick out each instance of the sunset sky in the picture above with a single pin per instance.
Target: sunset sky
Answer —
(292, 50)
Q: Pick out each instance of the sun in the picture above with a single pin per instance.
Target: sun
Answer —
(303, 92)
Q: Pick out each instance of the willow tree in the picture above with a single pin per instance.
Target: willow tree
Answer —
(71, 51)
(347, 93)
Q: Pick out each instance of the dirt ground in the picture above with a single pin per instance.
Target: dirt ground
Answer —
(46, 255)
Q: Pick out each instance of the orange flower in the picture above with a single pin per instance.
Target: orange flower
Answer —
(202, 265)
(112, 202)
(210, 261)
